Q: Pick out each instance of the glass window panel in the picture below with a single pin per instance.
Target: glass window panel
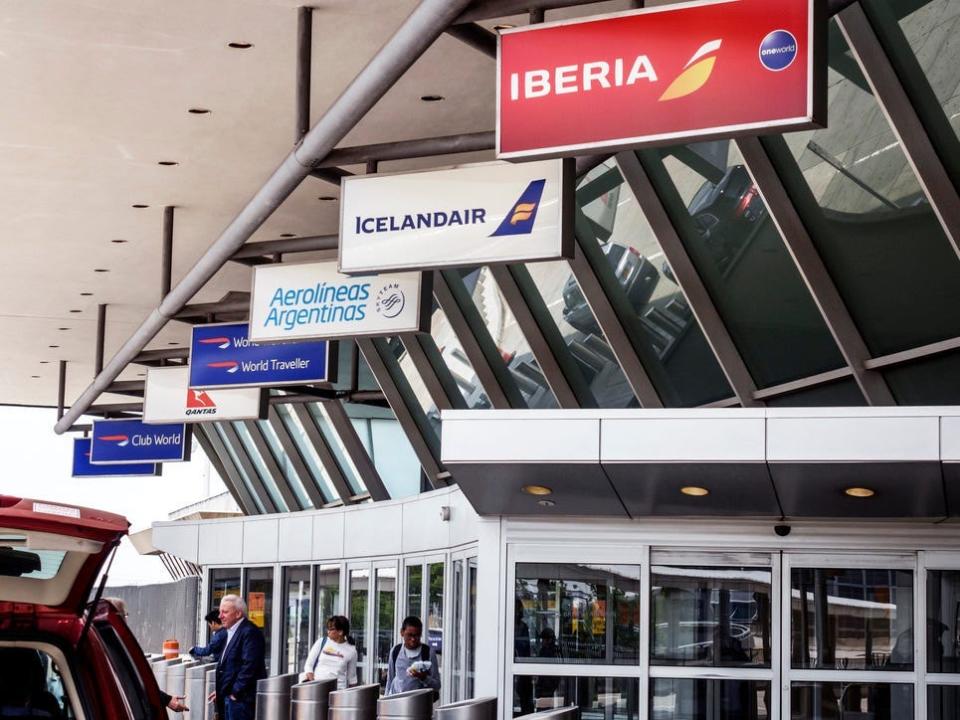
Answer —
(359, 595)
(850, 701)
(286, 467)
(394, 458)
(296, 640)
(235, 459)
(696, 699)
(386, 599)
(415, 590)
(597, 698)
(223, 581)
(457, 635)
(677, 358)
(471, 625)
(745, 265)
(843, 393)
(933, 380)
(589, 346)
(509, 339)
(457, 362)
(852, 619)
(711, 616)
(259, 597)
(307, 451)
(579, 614)
(943, 702)
(260, 467)
(943, 621)
(434, 622)
(328, 595)
(319, 414)
(873, 225)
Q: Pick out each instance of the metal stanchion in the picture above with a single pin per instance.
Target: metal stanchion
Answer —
(356, 703)
(194, 686)
(477, 709)
(160, 668)
(273, 696)
(209, 685)
(410, 705)
(570, 712)
(176, 680)
(310, 700)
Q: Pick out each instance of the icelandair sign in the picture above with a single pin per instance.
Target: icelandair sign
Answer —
(468, 215)
(313, 300)
(169, 398)
(688, 71)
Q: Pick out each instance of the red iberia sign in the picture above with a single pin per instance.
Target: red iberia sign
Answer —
(690, 71)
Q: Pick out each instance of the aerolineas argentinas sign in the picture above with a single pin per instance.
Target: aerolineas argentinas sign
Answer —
(467, 215)
(696, 70)
(313, 300)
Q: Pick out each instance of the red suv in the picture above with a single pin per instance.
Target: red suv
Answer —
(62, 656)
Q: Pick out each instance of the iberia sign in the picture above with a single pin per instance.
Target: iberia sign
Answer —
(688, 71)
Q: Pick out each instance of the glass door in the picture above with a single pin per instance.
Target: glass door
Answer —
(385, 616)
(296, 637)
(258, 593)
(358, 607)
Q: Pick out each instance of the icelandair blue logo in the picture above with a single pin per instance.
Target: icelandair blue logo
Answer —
(520, 219)
(778, 50)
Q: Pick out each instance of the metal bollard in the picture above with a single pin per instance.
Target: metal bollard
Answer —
(193, 688)
(568, 712)
(273, 696)
(310, 700)
(409, 705)
(356, 703)
(209, 685)
(176, 680)
(477, 709)
(160, 669)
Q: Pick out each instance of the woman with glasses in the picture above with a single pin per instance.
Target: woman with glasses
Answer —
(334, 656)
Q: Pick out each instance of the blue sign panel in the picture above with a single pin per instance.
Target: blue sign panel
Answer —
(222, 356)
(82, 467)
(132, 441)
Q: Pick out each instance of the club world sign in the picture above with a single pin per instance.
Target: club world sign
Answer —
(686, 71)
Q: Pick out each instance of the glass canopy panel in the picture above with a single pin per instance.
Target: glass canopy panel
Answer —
(307, 451)
(320, 416)
(870, 219)
(738, 251)
(286, 467)
(235, 459)
(260, 467)
(674, 351)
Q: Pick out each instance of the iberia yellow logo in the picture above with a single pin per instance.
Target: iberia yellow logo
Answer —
(695, 74)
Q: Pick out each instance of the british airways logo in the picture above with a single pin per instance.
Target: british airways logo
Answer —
(521, 217)
(221, 342)
(230, 366)
(120, 440)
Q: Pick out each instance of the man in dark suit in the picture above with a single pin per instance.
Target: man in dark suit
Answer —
(241, 662)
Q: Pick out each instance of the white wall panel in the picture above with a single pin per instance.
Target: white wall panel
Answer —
(180, 540)
(682, 440)
(260, 538)
(950, 439)
(221, 542)
(868, 439)
(522, 440)
(374, 530)
(296, 538)
(464, 521)
(423, 528)
(328, 536)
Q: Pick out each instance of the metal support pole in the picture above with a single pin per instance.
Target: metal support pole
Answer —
(304, 53)
(101, 334)
(372, 167)
(537, 15)
(61, 388)
(166, 253)
(418, 32)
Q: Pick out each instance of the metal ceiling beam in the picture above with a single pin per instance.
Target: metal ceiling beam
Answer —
(166, 253)
(156, 357)
(354, 448)
(292, 452)
(61, 387)
(436, 376)
(487, 9)
(810, 265)
(332, 175)
(407, 149)
(701, 304)
(312, 243)
(201, 311)
(135, 388)
(223, 464)
(904, 120)
(477, 37)
(411, 40)
(325, 453)
(304, 53)
(101, 335)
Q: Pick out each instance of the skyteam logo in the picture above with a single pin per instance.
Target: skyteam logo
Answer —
(695, 73)
(521, 217)
(391, 300)
(221, 342)
(120, 440)
(778, 50)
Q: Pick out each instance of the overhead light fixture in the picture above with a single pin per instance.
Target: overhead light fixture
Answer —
(139, 206)
(859, 492)
(86, 294)
(198, 111)
(35, 376)
(432, 98)
(288, 235)
(44, 362)
(694, 491)
(118, 241)
(63, 328)
(240, 45)
(546, 503)
(76, 311)
(167, 163)
(53, 347)
(101, 270)
(536, 490)
(173, 343)
(327, 198)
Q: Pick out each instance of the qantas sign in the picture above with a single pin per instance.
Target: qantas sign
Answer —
(169, 398)
(715, 68)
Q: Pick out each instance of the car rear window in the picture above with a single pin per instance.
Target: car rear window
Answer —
(18, 561)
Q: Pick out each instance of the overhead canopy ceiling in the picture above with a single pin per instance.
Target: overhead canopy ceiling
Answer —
(97, 93)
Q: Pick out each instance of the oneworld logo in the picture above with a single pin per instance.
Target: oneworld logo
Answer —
(778, 50)
(520, 218)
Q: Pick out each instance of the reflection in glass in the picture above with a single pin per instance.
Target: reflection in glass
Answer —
(308, 452)
(223, 581)
(359, 593)
(259, 597)
(943, 702)
(456, 635)
(597, 698)
(933, 380)
(696, 699)
(471, 625)
(673, 349)
(943, 621)
(850, 701)
(415, 590)
(296, 639)
(567, 613)
(328, 595)
(386, 619)
(852, 619)
(710, 616)
(434, 623)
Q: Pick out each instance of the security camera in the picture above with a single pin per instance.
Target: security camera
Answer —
(782, 530)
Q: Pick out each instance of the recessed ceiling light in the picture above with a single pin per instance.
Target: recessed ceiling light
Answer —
(288, 235)
(53, 347)
(63, 328)
(141, 374)
(536, 490)
(167, 163)
(86, 294)
(240, 45)
(173, 343)
(198, 111)
(431, 98)
(76, 311)
(44, 362)
(327, 198)
(139, 206)
(35, 376)
(101, 270)
(859, 492)
(546, 503)
(694, 491)
(118, 241)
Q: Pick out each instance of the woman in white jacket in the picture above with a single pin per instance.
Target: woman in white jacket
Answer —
(333, 656)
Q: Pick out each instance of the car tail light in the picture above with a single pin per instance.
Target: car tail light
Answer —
(633, 250)
(745, 201)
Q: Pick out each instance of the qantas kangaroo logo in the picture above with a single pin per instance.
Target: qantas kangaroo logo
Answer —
(199, 399)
